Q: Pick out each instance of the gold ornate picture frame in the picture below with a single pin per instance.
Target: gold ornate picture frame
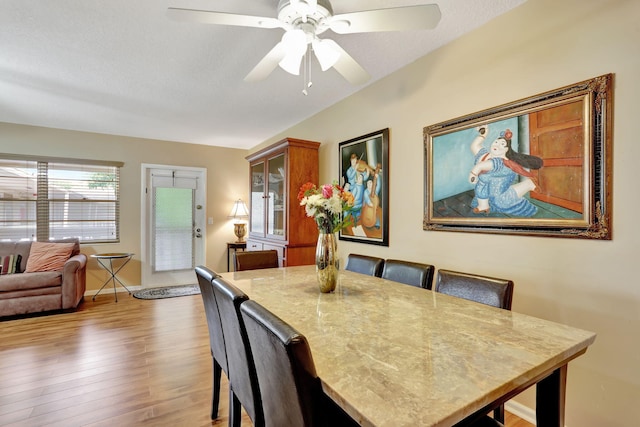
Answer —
(537, 166)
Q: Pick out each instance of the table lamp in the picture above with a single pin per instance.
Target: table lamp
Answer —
(239, 213)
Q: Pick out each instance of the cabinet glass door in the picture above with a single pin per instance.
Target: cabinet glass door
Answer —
(276, 203)
(256, 219)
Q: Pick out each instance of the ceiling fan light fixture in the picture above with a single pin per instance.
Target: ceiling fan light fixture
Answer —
(294, 40)
(290, 11)
(294, 43)
(291, 64)
(304, 20)
(325, 53)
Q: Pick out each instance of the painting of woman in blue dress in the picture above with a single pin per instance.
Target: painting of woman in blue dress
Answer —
(494, 175)
(535, 166)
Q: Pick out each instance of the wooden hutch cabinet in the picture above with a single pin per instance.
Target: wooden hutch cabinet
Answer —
(277, 221)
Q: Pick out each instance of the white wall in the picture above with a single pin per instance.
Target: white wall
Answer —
(540, 46)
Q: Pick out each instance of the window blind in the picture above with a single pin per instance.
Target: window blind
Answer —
(45, 199)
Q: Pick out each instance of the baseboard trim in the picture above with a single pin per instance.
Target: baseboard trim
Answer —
(521, 411)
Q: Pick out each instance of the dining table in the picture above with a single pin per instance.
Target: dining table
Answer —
(391, 354)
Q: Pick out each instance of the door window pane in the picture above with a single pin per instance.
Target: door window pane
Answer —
(173, 229)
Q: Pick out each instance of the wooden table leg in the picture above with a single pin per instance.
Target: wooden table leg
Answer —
(550, 399)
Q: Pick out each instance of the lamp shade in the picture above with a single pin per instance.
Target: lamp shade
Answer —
(239, 210)
(294, 43)
(326, 53)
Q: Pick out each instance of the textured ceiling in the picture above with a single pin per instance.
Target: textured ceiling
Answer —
(121, 67)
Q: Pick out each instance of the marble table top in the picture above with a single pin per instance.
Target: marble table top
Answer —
(397, 355)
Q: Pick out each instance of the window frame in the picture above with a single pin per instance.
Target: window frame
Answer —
(46, 224)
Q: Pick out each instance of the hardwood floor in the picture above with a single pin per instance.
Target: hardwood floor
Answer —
(511, 420)
(130, 363)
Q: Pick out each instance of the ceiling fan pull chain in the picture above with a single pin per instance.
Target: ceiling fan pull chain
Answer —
(309, 65)
(304, 86)
(307, 71)
(304, 77)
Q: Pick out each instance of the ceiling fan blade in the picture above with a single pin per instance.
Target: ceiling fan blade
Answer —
(221, 18)
(267, 64)
(422, 17)
(347, 66)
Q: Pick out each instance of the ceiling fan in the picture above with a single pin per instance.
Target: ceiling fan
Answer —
(303, 22)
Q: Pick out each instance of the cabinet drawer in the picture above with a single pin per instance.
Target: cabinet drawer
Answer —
(252, 245)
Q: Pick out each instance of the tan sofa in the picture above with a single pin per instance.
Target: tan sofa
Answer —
(38, 291)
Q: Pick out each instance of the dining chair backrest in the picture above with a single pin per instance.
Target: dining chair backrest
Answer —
(287, 374)
(409, 273)
(483, 289)
(285, 369)
(205, 279)
(365, 264)
(216, 338)
(243, 383)
(253, 260)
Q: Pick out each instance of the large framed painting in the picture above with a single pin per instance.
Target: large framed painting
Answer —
(364, 172)
(537, 166)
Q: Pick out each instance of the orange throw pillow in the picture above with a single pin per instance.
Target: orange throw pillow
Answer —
(48, 256)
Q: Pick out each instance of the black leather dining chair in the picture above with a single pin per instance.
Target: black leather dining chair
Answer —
(287, 374)
(216, 339)
(365, 264)
(409, 273)
(253, 260)
(483, 289)
(243, 383)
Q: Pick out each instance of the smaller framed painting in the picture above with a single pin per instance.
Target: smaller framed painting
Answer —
(364, 172)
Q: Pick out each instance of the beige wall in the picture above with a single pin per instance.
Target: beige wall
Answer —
(225, 184)
(540, 46)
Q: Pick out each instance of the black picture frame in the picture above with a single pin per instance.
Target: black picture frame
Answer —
(370, 155)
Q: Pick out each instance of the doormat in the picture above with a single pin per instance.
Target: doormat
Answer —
(167, 292)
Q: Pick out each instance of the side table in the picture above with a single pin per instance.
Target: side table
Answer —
(234, 246)
(106, 261)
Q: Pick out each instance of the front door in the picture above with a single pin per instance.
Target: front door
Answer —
(174, 229)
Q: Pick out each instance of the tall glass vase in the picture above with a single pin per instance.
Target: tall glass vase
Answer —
(327, 262)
